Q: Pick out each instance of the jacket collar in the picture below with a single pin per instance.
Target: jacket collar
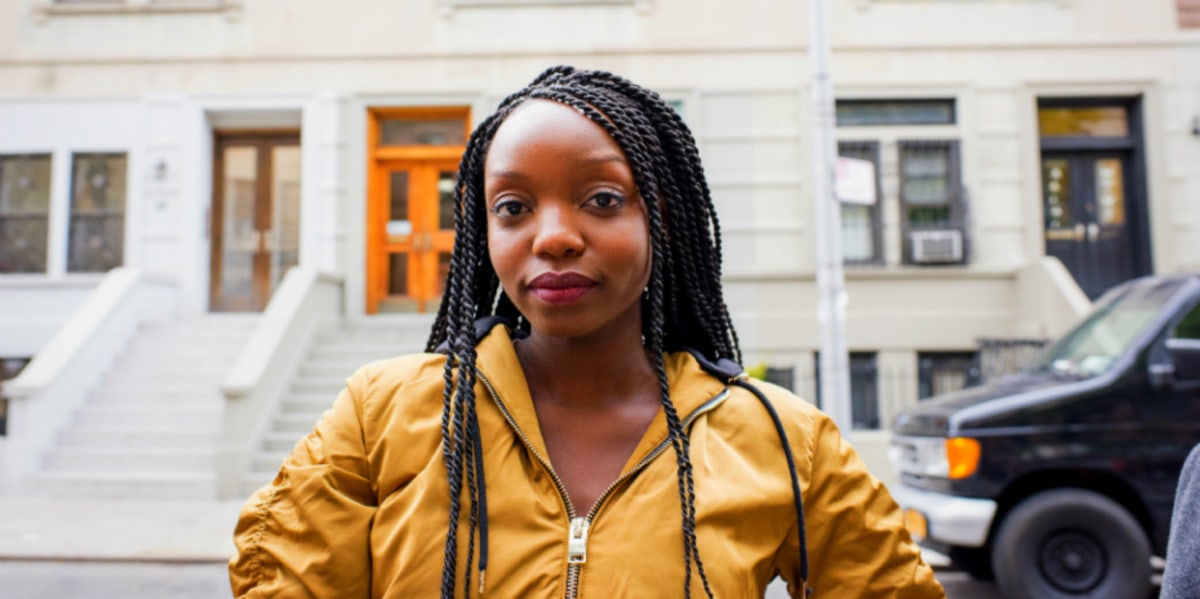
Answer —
(691, 388)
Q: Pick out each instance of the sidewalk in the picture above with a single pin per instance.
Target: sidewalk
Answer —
(37, 528)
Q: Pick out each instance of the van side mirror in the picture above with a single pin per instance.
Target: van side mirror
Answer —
(1185, 360)
(1162, 376)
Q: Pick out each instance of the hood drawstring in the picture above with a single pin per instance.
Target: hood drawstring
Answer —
(797, 500)
(481, 493)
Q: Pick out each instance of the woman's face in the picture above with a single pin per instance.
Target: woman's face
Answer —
(567, 230)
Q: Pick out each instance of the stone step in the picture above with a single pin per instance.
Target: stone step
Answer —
(95, 436)
(268, 461)
(334, 369)
(139, 417)
(281, 441)
(359, 353)
(316, 403)
(299, 423)
(161, 389)
(317, 385)
(199, 460)
(117, 484)
(143, 376)
(180, 395)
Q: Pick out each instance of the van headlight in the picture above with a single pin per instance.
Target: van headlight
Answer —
(953, 457)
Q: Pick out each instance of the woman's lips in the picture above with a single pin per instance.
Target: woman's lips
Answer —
(560, 288)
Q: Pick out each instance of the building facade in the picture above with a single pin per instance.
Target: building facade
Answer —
(214, 144)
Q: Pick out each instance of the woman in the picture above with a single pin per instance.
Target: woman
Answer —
(594, 436)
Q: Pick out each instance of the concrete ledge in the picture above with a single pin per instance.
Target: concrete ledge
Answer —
(118, 530)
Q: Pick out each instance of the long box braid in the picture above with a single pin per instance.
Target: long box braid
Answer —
(684, 305)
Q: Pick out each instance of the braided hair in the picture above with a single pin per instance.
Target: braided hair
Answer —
(684, 305)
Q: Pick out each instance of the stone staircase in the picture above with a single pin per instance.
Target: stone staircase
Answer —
(334, 355)
(152, 427)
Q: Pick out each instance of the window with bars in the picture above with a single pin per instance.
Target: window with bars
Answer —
(943, 372)
(96, 240)
(931, 200)
(861, 228)
(921, 175)
(864, 389)
(24, 212)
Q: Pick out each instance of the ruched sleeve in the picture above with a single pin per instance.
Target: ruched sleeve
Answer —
(857, 543)
(307, 533)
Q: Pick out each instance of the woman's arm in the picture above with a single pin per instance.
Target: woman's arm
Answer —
(857, 543)
(306, 534)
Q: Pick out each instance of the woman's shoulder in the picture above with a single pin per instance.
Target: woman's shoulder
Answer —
(398, 378)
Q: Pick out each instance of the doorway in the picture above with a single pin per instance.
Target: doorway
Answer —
(255, 217)
(1093, 196)
(417, 232)
(410, 205)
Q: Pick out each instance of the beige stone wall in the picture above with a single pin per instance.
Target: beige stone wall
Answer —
(740, 70)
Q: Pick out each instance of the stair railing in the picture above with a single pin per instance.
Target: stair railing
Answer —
(255, 387)
(43, 398)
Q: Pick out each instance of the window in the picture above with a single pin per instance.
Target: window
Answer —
(858, 113)
(864, 389)
(943, 372)
(97, 225)
(9, 369)
(861, 230)
(24, 213)
(919, 176)
(931, 201)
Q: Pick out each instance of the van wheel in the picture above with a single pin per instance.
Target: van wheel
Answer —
(1071, 543)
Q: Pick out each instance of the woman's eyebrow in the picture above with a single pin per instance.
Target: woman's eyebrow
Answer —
(586, 161)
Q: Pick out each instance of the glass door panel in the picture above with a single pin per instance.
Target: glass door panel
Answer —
(1083, 201)
(255, 219)
(416, 233)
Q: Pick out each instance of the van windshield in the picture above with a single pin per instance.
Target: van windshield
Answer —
(1093, 347)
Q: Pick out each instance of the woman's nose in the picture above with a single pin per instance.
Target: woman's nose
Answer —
(557, 234)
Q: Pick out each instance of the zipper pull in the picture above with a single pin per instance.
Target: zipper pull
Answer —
(577, 541)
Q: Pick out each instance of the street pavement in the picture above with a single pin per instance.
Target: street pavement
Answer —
(99, 549)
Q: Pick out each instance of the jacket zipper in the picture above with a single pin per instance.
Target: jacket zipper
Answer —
(577, 534)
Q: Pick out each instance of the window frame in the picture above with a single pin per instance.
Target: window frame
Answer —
(875, 211)
(956, 202)
(72, 217)
(861, 363)
(48, 214)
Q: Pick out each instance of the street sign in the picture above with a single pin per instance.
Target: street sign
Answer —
(855, 182)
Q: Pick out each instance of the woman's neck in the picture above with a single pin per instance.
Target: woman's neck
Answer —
(605, 368)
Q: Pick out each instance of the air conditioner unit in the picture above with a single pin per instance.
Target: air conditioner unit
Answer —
(936, 247)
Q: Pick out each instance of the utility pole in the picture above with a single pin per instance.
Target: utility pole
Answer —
(831, 283)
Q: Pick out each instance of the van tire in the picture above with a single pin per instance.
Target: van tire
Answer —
(1068, 543)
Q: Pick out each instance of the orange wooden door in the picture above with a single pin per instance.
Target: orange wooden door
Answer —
(411, 233)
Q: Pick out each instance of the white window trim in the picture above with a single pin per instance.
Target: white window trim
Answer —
(45, 9)
(449, 6)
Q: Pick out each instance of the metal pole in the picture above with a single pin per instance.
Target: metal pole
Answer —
(831, 285)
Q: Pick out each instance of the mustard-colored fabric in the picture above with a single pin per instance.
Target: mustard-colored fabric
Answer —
(360, 507)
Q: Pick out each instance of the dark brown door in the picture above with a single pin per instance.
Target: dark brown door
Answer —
(1085, 197)
(255, 218)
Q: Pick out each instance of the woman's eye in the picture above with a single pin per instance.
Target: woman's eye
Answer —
(508, 208)
(606, 200)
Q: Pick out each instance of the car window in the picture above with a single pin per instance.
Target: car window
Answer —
(1189, 327)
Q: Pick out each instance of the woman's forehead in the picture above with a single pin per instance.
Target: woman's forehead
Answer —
(544, 128)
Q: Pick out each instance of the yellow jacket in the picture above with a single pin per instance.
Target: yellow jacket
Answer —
(360, 507)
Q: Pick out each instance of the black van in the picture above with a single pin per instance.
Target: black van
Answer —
(1059, 481)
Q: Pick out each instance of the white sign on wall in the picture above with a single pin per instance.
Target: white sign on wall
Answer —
(855, 182)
